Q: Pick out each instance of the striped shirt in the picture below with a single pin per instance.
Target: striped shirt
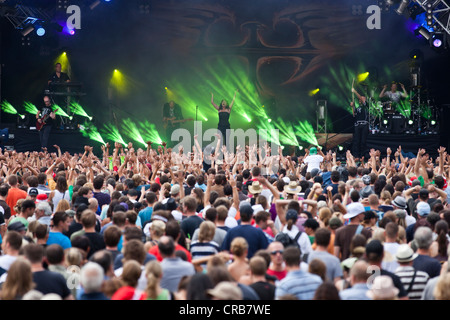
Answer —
(406, 277)
(203, 249)
(299, 283)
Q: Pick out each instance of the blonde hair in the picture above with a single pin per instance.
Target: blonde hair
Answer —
(442, 289)
(207, 231)
(157, 228)
(378, 234)
(325, 215)
(74, 257)
(63, 205)
(239, 246)
(19, 280)
(153, 271)
(89, 185)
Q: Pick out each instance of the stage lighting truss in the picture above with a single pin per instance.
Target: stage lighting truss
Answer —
(25, 18)
(437, 13)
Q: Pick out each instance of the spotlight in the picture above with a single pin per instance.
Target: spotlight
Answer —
(300, 148)
(433, 122)
(40, 31)
(437, 40)
(71, 32)
(269, 120)
(410, 122)
(423, 32)
(314, 92)
(27, 30)
(403, 5)
(340, 148)
(385, 122)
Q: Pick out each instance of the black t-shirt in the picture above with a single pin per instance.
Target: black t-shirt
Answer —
(265, 290)
(7, 209)
(189, 225)
(45, 112)
(62, 78)
(361, 113)
(96, 242)
(51, 282)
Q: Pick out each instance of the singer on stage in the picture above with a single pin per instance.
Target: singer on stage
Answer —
(361, 116)
(224, 117)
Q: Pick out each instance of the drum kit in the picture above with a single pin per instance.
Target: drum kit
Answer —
(412, 115)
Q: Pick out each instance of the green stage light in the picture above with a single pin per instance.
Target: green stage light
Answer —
(131, 130)
(305, 131)
(340, 148)
(8, 108)
(60, 111)
(385, 122)
(78, 109)
(22, 116)
(91, 133)
(410, 122)
(433, 122)
(287, 134)
(149, 132)
(111, 133)
(30, 108)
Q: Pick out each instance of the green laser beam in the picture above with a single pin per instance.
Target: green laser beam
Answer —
(305, 131)
(8, 108)
(130, 129)
(60, 111)
(78, 109)
(149, 132)
(91, 133)
(112, 133)
(30, 108)
(287, 134)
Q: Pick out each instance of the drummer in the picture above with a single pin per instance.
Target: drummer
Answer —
(394, 95)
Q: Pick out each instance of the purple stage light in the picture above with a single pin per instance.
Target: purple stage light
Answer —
(437, 43)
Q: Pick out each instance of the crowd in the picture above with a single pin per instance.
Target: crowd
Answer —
(166, 224)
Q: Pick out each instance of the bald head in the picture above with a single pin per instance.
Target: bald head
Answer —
(373, 200)
(358, 273)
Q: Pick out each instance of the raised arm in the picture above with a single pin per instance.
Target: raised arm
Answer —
(212, 102)
(232, 101)
(382, 93)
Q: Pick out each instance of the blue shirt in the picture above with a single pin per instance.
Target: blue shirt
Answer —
(59, 238)
(299, 283)
(357, 292)
(255, 238)
(146, 214)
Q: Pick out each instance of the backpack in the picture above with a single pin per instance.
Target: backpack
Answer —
(287, 241)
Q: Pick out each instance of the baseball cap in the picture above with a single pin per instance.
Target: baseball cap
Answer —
(354, 209)
(175, 189)
(33, 192)
(423, 209)
(17, 226)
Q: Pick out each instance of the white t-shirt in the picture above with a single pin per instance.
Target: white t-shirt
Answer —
(313, 161)
(303, 241)
(389, 262)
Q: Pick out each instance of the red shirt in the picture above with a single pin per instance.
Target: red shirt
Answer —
(14, 194)
(155, 251)
(279, 274)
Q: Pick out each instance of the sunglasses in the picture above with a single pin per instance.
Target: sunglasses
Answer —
(276, 251)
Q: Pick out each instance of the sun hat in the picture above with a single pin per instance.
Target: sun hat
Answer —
(399, 202)
(405, 254)
(255, 187)
(382, 288)
(292, 188)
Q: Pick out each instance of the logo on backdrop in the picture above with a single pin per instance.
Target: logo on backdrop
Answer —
(74, 19)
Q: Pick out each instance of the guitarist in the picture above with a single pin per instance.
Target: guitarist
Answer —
(171, 112)
(45, 118)
(361, 116)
